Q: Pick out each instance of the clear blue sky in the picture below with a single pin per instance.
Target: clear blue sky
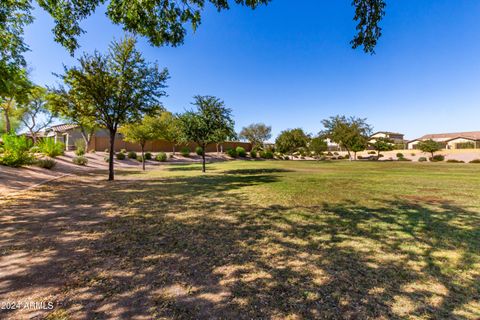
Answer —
(290, 64)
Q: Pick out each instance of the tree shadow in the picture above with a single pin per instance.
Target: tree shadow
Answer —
(197, 248)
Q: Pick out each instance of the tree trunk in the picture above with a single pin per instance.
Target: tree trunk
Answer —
(173, 148)
(143, 156)
(217, 148)
(349, 155)
(7, 122)
(203, 159)
(111, 175)
(355, 156)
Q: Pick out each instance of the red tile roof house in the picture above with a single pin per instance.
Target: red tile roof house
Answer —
(456, 140)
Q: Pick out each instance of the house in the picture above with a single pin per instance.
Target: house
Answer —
(397, 138)
(68, 134)
(456, 140)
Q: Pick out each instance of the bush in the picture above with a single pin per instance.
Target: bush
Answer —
(475, 161)
(50, 148)
(185, 152)
(232, 153)
(139, 158)
(241, 152)
(413, 154)
(400, 155)
(148, 156)
(83, 161)
(199, 151)
(266, 154)
(123, 150)
(437, 158)
(80, 147)
(16, 151)
(422, 159)
(162, 157)
(132, 155)
(120, 156)
(46, 163)
(455, 161)
(253, 154)
(372, 152)
(404, 159)
(34, 149)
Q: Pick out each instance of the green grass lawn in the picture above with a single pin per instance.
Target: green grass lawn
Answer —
(260, 240)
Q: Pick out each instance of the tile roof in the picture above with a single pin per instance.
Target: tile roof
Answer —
(471, 135)
(62, 127)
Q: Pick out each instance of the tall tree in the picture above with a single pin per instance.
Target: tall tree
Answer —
(120, 85)
(140, 132)
(256, 134)
(346, 132)
(291, 140)
(13, 91)
(318, 145)
(35, 113)
(203, 125)
(430, 146)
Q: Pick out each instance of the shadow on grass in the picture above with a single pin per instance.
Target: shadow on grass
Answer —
(256, 171)
(194, 248)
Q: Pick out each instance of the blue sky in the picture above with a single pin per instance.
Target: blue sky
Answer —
(290, 64)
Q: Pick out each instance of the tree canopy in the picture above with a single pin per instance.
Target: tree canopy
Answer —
(35, 113)
(291, 140)
(140, 132)
(256, 134)
(382, 144)
(430, 146)
(120, 86)
(203, 125)
(346, 132)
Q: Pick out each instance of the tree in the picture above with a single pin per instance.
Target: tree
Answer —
(34, 113)
(168, 127)
(430, 146)
(382, 144)
(203, 125)
(256, 134)
(359, 144)
(120, 86)
(66, 104)
(346, 132)
(318, 145)
(13, 91)
(140, 132)
(291, 140)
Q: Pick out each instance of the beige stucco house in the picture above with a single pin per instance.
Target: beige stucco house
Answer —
(456, 140)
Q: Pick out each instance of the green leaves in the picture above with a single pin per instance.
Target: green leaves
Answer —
(368, 14)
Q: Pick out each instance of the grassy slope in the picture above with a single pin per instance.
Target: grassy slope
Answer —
(283, 240)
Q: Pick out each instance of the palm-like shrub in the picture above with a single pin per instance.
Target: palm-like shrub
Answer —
(16, 151)
(50, 148)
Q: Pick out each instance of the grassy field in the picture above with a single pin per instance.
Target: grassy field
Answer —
(250, 240)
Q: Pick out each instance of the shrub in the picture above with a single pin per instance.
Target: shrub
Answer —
(404, 159)
(16, 151)
(46, 163)
(372, 152)
(253, 154)
(139, 158)
(455, 161)
(185, 152)
(437, 158)
(148, 156)
(241, 152)
(199, 151)
(475, 161)
(120, 156)
(266, 154)
(80, 147)
(123, 150)
(83, 161)
(380, 156)
(107, 150)
(400, 155)
(232, 152)
(34, 149)
(329, 153)
(422, 159)
(413, 154)
(50, 148)
(359, 157)
(162, 157)
(132, 155)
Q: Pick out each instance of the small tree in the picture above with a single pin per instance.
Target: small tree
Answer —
(291, 140)
(14, 86)
(256, 134)
(346, 132)
(359, 144)
(429, 146)
(168, 127)
(120, 86)
(318, 145)
(203, 125)
(34, 113)
(140, 132)
(382, 144)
